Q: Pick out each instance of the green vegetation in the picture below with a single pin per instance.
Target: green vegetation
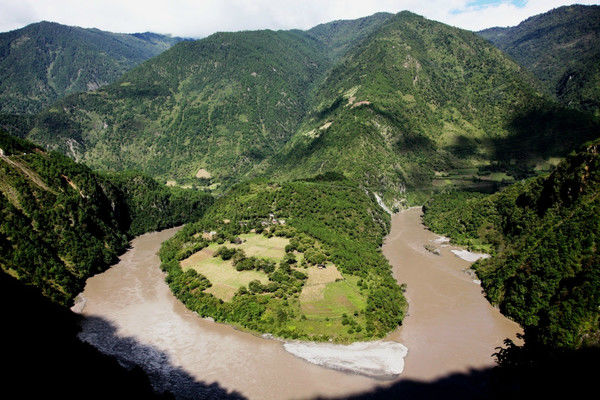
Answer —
(222, 104)
(562, 49)
(318, 272)
(43, 62)
(62, 223)
(395, 104)
(544, 233)
(392, 101)
(151, 206)
(15, 124)
(340, 36)
(418, 98)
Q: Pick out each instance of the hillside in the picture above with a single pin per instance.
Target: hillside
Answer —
(392, 101)
(562, 49)
(220, 104)
(62, 223)
(419, 99)
(45, 61)
(340, 36)
(544, 233)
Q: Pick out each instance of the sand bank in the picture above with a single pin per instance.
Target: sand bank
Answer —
(375, 359)
(469, 255)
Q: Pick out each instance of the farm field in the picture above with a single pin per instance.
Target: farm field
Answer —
(223, 276)
(225, 279)
(326, 295)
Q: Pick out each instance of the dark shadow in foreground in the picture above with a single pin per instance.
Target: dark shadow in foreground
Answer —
(568, 375)
(45, 359)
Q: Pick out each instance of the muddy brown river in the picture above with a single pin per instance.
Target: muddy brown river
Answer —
(132, 315)
(451, 327)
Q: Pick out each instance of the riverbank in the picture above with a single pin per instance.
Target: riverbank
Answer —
(450, 327)
(132, 315)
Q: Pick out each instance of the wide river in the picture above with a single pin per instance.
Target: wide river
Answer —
(131, 314)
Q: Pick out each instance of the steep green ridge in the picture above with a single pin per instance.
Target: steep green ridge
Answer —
(340, 36)
(393, 101)
(151, 206)
(415, 97)
(545, 234)
(43, 62)
(562, 49)
(222, 104)
(62, 223)
(328, 215)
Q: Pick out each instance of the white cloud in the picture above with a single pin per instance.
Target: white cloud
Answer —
(198, 18)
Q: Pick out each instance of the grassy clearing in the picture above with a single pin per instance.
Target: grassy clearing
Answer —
(197, 258)
(318, 279)
(548, 165)
(338, 298)
(259, 246)
(324, 316)
(225, 279)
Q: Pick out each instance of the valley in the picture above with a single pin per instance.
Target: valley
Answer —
(451, 331)
(383, 207)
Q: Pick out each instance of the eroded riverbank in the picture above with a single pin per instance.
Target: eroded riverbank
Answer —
(132, 315)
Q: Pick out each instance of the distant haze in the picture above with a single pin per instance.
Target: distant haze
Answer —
(199, 18)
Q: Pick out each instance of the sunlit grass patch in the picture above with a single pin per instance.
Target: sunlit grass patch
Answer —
(223, 276)
(318, 278)
(260, 246)
(340, 297)
(256, 245)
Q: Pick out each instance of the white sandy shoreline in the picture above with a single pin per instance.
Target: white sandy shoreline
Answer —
(378, 359)
(469, 255)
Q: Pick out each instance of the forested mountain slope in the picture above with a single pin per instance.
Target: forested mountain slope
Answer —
(545, 233)
(340, 36)
(418, 97)
(220, 104)
(62, 223)
(562, 49)
(393, 101)
(45, 61)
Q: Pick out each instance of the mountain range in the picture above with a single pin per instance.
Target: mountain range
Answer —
(393, 101)
(562, 49)
(46, 61)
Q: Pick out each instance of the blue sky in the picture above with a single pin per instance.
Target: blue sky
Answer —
(479, 5)
(487, 3)
(199, 18)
